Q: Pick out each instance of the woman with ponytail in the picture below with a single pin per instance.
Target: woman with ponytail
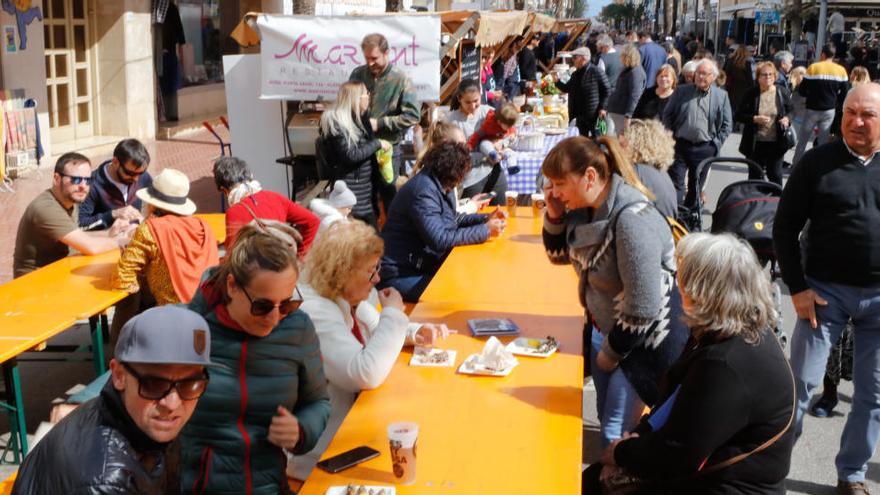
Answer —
(600, 219)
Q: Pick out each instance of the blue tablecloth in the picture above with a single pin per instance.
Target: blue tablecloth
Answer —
(530, 164)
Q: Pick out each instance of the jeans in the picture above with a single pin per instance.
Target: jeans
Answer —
(809, 353)
(617, 402)
(812, 118)
(687, 156)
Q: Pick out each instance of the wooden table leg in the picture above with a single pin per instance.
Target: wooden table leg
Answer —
(15, 408)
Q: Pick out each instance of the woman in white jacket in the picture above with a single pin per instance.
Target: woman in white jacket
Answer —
(359, 344)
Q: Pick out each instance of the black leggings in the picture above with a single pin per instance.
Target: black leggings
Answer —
(767, 155)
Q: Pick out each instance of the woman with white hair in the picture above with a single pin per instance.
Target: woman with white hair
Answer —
(688, 71)
(349, 147)
(723, 424)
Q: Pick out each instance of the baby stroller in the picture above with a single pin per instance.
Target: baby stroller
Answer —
(747, 209)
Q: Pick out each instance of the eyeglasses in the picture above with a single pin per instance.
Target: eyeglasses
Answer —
(766, 74)
(77, 180)
(128, 173)
(262, 307)
(157, 388)
(375, 271)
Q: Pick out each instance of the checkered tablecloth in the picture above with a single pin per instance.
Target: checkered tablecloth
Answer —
(530, 164)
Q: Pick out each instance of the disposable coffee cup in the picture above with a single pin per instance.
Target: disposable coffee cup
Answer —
(538, 204)
(511, 197)
(402, 439)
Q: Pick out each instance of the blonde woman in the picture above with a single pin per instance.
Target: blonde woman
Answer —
(654, 99)
(651, 149)
(349, 147)
(798, 101)
(858, 76)
(630, 86)
(763, 111)
(359, 343)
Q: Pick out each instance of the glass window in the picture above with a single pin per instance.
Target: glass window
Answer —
(201, 56)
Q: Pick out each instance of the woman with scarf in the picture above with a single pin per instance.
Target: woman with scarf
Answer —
(169, 251)
(248, 201)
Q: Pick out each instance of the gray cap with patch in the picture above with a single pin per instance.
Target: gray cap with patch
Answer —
(165, 335)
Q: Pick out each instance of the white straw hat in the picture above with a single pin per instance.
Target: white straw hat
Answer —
(169, 192)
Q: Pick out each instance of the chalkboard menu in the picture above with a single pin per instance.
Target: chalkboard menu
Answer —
(469, 55)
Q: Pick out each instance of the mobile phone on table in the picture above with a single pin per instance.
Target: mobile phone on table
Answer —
(348, 459)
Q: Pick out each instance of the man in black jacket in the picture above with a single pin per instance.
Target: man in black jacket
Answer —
(125, 440)
(835, 192)
(528, 64)
(587, 92)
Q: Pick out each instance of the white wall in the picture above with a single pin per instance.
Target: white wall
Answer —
(27, 69)
(255, 125)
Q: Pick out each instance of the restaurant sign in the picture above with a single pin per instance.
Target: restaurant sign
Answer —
(307, 58)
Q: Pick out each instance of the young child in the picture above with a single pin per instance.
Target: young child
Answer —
(495, 136)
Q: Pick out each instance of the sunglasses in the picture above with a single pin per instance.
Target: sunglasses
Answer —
(262, 307)
(157, 388)
(77, 180)
(128, 173)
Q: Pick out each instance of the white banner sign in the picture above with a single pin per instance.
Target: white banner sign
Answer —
(306, 57)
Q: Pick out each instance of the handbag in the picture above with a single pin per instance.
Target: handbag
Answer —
(625, 483)
(789, 137)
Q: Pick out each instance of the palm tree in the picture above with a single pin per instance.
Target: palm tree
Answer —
(304, 7)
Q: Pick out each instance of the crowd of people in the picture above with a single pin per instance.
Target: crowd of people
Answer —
(275, 334)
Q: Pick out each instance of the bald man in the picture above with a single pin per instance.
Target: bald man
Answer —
(836, 188)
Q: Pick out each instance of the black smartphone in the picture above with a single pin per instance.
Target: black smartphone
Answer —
(348, 459)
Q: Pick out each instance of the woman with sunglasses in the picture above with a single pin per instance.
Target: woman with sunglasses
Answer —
(359, 344)
(270, 396)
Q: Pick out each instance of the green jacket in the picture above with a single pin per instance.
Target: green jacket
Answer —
(225, 447)
(393, 101)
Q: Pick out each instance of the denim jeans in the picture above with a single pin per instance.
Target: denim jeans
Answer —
(812, 118)
(809, 354)
(617, 402)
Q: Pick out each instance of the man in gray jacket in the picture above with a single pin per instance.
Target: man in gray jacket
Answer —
(700, 118)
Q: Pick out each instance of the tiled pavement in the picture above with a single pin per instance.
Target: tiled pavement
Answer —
(193, 154)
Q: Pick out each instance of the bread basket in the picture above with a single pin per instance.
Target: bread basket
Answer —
(529, 138)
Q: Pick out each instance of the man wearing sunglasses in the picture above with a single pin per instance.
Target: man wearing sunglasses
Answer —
(49, 227)
(125, 440)
(113, 196)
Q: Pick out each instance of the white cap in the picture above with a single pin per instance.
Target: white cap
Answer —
(341, 196)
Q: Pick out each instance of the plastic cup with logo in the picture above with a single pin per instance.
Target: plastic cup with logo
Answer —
(402, 439)
(510, 197)
(538, 204)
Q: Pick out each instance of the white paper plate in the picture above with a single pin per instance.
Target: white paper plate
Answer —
(471, 367)
(419, 360)
(521, 347)
(343, 490)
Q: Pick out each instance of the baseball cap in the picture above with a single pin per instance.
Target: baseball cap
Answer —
(165, 335)
(582, 51)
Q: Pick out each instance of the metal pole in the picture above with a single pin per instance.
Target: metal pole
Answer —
(820, 31)
(718, 26)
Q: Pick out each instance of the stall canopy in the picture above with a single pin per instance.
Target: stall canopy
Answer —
(459, 28)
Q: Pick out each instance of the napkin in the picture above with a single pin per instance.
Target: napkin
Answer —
(495, 356)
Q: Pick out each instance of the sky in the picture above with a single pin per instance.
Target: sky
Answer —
(596, 7)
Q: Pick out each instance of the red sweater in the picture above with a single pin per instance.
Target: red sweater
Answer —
(491, 130)
(269, 205)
